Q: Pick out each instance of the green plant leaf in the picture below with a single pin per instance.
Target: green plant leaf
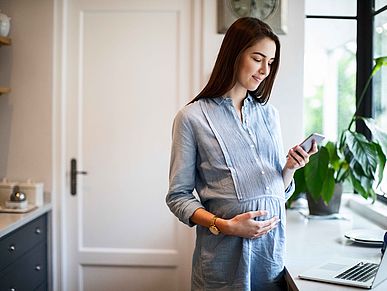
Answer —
(342, 173)
(341, 145)
(356, 183)
(316, 171)
(363, 185)
(372, 194)
(299, 180)
(358, 169)
(378, 134)
(363, 151)
(334, 158)
(381, 163)
(328, 186)
(379, 63)
(300, 186)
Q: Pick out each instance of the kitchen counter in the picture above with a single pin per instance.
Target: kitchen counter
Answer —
(312, 242)
(12, 221)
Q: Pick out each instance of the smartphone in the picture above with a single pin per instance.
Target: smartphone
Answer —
(307, 143)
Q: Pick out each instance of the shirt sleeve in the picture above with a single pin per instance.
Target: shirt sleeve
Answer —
(290, 189)
(182, 172)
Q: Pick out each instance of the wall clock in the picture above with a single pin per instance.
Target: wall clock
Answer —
(273, 12)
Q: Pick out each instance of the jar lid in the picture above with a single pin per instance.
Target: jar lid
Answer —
(30, 184)
(4, 183)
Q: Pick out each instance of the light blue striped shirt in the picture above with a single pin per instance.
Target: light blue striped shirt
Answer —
(235, 167)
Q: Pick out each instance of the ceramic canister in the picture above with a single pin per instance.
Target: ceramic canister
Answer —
(5, 24)
(33, 191)
(6, 190)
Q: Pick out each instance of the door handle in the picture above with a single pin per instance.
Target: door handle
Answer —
(73, 176)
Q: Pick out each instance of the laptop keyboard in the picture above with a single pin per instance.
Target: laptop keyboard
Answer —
(361, 272)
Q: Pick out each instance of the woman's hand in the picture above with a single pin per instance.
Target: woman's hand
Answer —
(244, 225)
(298, 158)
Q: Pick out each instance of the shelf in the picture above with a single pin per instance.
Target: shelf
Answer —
(5, 40)
(4, 90)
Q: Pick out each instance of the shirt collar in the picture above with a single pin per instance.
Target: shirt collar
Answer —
(221, 99)
(249, 98)
(218, 100)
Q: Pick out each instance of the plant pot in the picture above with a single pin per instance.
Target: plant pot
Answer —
(319, 207)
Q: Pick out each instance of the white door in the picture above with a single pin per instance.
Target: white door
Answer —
(126, 73)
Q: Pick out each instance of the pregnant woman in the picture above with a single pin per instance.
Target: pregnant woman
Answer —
(227, 146)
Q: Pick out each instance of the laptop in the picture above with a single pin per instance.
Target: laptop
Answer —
(350, 272)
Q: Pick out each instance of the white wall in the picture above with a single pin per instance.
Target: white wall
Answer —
(25, 113)
(287, 94)
(26, 66)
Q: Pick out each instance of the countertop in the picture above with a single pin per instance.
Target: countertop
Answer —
(11, 221)
(312, 242)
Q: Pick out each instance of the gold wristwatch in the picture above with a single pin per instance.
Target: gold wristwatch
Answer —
(214, 230)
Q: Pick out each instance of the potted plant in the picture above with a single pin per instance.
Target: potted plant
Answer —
(352, 158)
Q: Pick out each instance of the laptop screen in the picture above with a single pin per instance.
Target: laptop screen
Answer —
(381, 275)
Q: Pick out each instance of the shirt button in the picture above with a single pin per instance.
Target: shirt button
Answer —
(267, 187)
(252, 146)
(263, 173)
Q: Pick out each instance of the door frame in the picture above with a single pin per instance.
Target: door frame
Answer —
(60, 177)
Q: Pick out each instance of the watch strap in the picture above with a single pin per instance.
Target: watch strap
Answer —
(213, 228)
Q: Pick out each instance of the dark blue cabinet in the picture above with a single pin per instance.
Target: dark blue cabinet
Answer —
(23, 257)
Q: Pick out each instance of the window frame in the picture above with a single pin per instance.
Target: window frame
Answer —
(365, 22)
(364, 60)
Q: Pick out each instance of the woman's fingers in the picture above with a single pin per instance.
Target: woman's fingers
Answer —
(258, 213)
(301, 153)
(314, 148)
(252, 214)
(297, 157)
(246, 226)
(265, 226)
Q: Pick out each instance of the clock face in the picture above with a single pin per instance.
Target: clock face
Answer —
(261, 9)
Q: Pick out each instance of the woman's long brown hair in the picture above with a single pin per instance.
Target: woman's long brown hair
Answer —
(242, 34)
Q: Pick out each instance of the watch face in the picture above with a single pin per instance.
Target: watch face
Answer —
(214, 230)
(261, 9)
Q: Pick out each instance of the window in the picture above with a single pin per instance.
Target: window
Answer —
(331, 7)
(330, 67)
(379, 4)
(329, 75)
(379, 84)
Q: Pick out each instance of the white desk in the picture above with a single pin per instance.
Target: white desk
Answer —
(311, 242)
